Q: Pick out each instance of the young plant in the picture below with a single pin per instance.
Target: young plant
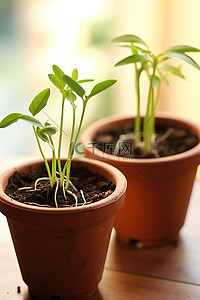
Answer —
(157, 71)
(70, 88)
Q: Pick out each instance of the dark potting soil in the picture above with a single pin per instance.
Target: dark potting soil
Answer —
(95, 187)
(170, 140)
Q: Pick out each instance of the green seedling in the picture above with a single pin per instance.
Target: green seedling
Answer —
(70, 88)
(157, 71)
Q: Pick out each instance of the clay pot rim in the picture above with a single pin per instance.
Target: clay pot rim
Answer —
(89, 133)
(110, 172)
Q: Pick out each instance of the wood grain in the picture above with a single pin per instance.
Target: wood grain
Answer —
(180, 263)
(120, 285)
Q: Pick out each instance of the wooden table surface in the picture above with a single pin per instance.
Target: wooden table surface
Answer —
(168, 273)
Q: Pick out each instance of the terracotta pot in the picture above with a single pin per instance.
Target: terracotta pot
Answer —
(61, 252)
(158, 189)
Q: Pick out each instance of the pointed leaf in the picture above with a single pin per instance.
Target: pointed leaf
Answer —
(99, 87)
(56, 81)
(138, 48)
(144, 51)
(10, 119)
(129, 38)
(14, 117)
(173, 70)
(132, 59)
(182, 49)
(185, 58)
(163, 77)
(30, 119)
(125, 46)
(85, 80)
(75, 74)
(74, 85)
(58, 72)
(39, 102)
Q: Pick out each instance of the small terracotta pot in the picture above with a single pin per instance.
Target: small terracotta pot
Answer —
(61, 252)
(158, 189)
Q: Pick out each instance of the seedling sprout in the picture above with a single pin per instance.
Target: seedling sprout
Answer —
(157, 71)
(70, 88)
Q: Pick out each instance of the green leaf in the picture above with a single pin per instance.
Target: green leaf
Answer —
(74, 85)
(173, 70)
(75, 74)
(14, 117)
(143, 50)
(58, 72)
(132, 59)
(182, 49)
(44, 137)
(138, 48)
(31, 120)
(125, 46)
(85, 80)
(71, 97)
(48, 129)
(156, 81)
(185, 58)
(163, 77)
(99, 87)
(56, 81)
(39, 102)
(10, 119)
(129, 38)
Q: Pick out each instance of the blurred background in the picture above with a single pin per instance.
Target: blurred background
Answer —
(34, 35)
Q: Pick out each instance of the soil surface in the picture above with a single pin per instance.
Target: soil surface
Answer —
(170, 140)
(90, 188)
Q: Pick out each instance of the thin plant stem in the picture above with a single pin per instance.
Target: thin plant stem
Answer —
(60, 135)
(157, 96)
(72, 131)
(72, 147)
(67, 166)
(80, 124)
(43, 156)
(148, 120)
(137, 125)
(152, 123)
(54, 163)
(68, 172)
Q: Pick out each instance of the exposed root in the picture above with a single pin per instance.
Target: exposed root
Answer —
(25, 188)
(155, 153)
(70, 182)
(37, 204)
(64, 191)
(64, 194)
(55, 194)
(40, 179)
(75, 197)
(83, 197)
(163, 137)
